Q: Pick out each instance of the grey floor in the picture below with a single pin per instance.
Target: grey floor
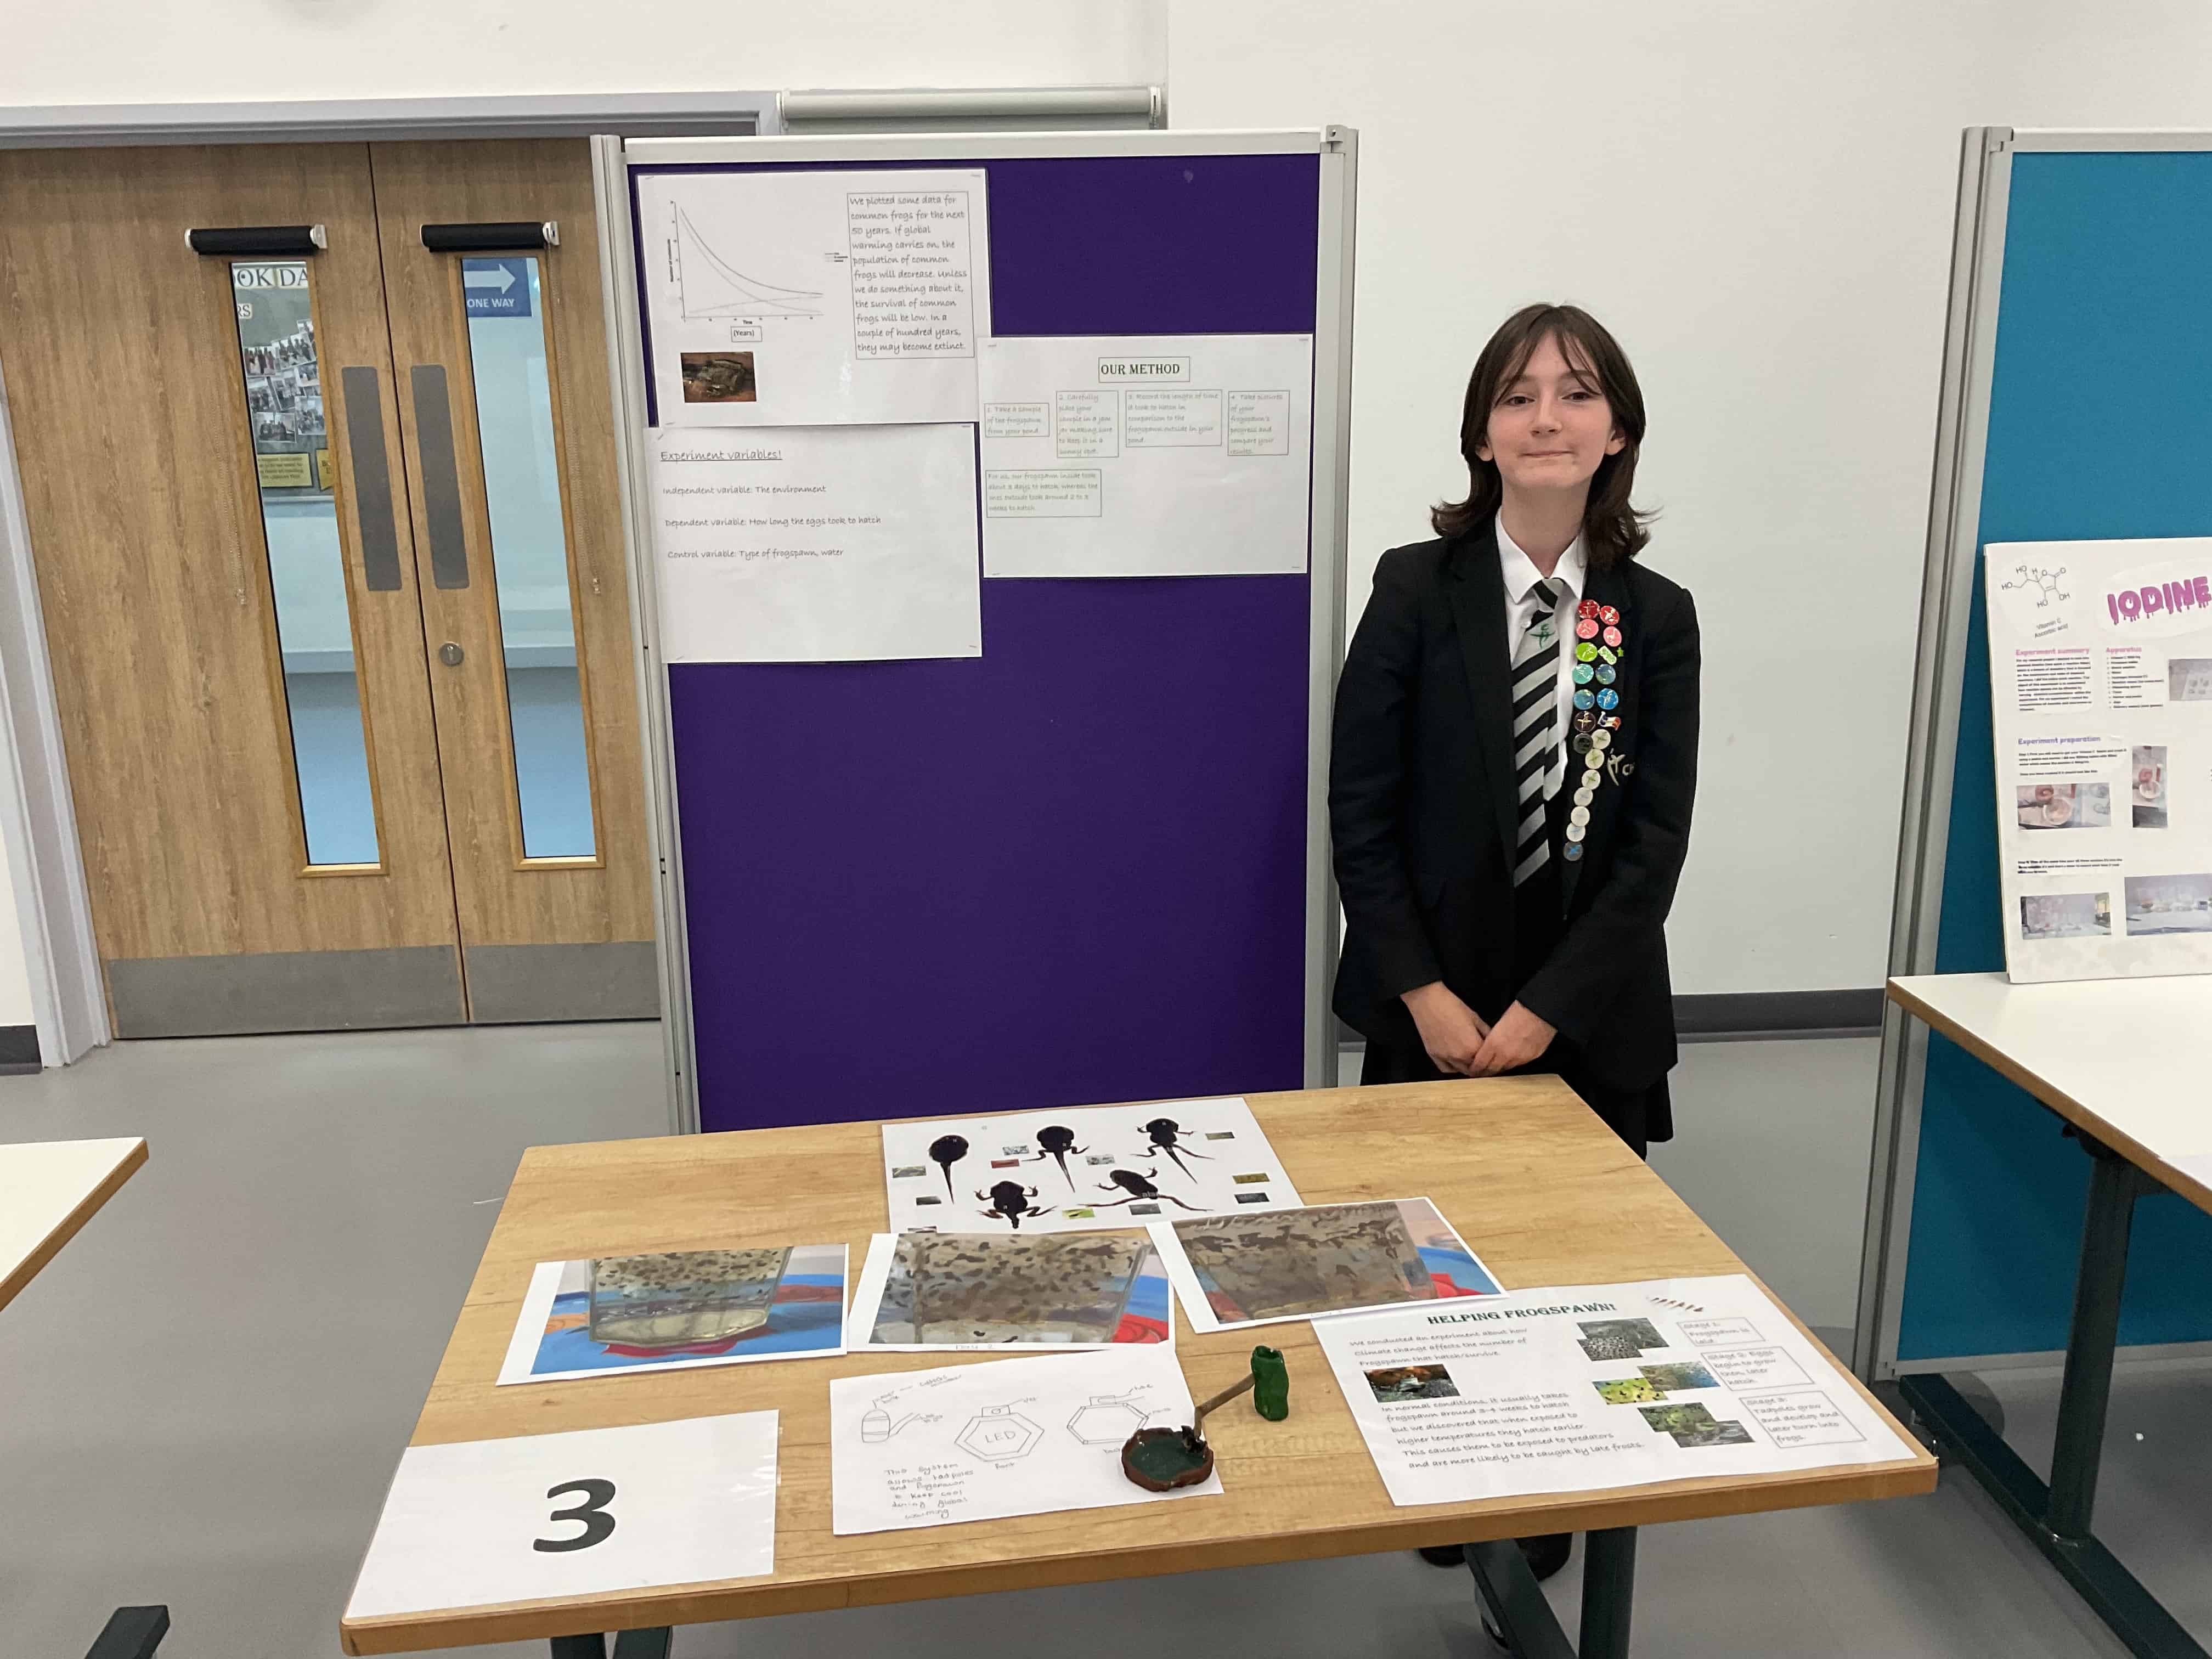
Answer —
(202, 1399)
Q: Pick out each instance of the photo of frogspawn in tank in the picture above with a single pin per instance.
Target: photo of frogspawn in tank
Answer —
(1618, 1338)
(1328, 1258)
(956, 1290)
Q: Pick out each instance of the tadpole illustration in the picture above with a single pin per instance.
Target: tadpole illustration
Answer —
(1140, 1186)
(1058, 1141)
(1166, 1134)
(1010, 1201)
(945, 1152)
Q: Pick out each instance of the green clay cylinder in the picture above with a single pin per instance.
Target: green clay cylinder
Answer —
(1271, 1386)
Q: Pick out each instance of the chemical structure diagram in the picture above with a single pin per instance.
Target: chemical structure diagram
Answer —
(2048, 584)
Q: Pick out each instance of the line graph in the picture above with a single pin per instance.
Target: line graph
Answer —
(709, 289)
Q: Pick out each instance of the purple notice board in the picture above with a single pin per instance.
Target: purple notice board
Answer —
(1073, 870)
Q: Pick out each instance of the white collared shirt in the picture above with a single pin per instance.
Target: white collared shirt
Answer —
(1520, 577)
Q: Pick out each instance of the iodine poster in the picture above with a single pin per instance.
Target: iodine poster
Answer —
(2100, 687)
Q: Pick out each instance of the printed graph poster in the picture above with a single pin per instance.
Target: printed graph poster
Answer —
(805, 299)
(1091, 1170)
(2100, 689)
(1592, 1386)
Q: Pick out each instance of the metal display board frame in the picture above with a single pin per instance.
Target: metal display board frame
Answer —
(1335, 149)
(1948, 601)
(2008, 1215)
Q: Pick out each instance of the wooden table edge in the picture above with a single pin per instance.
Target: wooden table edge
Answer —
(12, 1282)
(1706, 1499)
(2197, 1191)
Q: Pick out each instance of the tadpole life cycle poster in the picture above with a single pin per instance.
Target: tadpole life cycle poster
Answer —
(2100, 689)
(1089, 1168)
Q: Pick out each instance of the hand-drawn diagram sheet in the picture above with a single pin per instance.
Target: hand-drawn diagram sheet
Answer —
(1006, 1437)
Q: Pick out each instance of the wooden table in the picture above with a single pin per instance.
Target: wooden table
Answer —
(2119, 1060)
(1544, 1193)
(50, 1188)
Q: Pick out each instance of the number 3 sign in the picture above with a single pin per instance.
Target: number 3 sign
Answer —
(556, 1515)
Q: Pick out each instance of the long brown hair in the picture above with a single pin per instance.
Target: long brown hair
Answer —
(1613, 530)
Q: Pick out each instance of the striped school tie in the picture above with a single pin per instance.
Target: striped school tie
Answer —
(1535, 724)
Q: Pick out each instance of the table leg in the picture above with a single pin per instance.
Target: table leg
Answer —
(1515, 1601)
(2056, 1517)
(2078, 1449)
(1608, 1592)
(131, 1634)
(628, 1644)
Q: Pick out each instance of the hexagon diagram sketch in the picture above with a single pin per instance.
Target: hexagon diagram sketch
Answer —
(1108, 1421)
(709, 287)
(998, 1434)
(2048, 585)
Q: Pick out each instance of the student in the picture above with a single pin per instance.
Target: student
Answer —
(1515, 753)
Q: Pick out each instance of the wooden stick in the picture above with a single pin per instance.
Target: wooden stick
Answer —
(1223, 1398)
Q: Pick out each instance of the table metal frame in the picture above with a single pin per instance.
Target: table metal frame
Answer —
(2056, 1517)
(1502, 1579)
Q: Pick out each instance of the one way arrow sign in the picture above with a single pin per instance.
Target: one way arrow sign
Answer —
(496, 288)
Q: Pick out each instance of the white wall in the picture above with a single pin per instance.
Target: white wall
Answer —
(219, 51)
(1757, 198)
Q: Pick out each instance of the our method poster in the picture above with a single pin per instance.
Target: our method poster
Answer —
(799, 299)
(1593, 1386)
(2101, 672)
(1131, 455)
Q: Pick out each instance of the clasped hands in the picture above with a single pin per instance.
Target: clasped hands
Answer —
(1459, 1041)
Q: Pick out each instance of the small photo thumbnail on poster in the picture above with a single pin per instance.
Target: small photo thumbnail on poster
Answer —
(1618, 1338)
(1694, 1425)
(1394, 1383)
(2065, 915)
(2189, 679)
(718, 377)
(2169, 904)
(2078, 804)
(2146, 786)
(1655, 1383)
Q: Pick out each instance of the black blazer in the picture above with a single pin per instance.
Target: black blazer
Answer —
(1423, 812)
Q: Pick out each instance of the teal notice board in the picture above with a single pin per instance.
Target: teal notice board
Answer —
(2098, 424)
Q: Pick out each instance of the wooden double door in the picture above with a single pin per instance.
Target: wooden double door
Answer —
(329, 551)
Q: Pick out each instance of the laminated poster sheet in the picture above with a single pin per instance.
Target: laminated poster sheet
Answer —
(1005, 1436)
(1135, 455)
(678, 1309)
(2101, 672)
(1272, 1267)
(803, 298)
(953, 1291)
(816, 543)
(1096, 1169)
(1594, 1385)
